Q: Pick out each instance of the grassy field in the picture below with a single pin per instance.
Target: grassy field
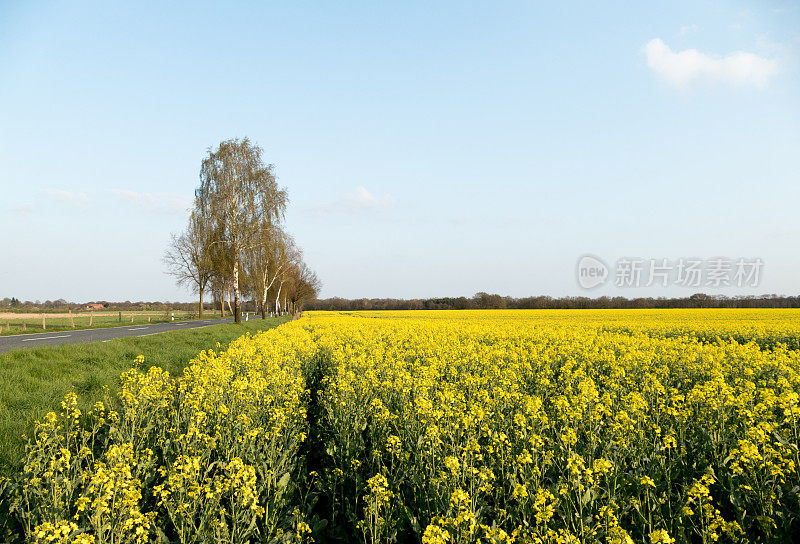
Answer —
(21, 323)
(34, 381)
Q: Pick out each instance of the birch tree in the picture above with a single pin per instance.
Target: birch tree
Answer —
(266, 262)
(239, 194)
(285, 256)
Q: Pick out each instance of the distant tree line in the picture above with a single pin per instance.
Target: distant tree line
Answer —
(486, 301)
(234, 245)
(478, 302)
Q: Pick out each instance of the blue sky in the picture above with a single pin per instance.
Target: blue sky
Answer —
(429, 148)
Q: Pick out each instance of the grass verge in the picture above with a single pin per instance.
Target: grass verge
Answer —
(34, 381)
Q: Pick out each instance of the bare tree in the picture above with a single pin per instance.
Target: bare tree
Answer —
(239, 194)
(305, 286)
(187, 258)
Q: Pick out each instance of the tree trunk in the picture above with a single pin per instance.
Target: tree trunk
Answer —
(278, 300)
(264, 296)
(237, 303)
(200, 306)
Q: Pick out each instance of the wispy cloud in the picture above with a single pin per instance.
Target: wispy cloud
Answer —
(76, 199)
(361, 201)
(22, 208)
(465, 219)
(682, 69)
(687, 29)
(159, 203)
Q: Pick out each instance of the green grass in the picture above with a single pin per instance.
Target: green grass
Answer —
(10, 326)
(34, 381)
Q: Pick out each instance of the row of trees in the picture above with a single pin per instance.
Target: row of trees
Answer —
(483, 301)
(235, 245)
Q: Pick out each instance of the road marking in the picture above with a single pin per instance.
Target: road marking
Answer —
(137, 329)
(45, 338)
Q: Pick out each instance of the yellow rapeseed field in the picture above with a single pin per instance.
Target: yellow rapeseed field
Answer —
(442, 427)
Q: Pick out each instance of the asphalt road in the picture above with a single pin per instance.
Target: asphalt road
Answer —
(17, 341)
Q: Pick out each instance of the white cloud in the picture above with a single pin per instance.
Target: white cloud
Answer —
(76, 199)
(161, 203)
(360, 201)
(682, 69)
(687, 29)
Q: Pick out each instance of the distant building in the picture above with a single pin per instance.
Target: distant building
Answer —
(95, 307)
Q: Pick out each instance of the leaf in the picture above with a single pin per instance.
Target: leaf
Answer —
(413, 521)
(727, 460)
(162, 537)
(284, 480)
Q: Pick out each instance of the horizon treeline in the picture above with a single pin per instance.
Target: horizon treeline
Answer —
(235, 245)
(486, 301)
(480, 301)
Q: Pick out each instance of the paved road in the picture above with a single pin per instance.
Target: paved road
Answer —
(16, 341)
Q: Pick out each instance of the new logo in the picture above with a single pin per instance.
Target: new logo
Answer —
(591, 272)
